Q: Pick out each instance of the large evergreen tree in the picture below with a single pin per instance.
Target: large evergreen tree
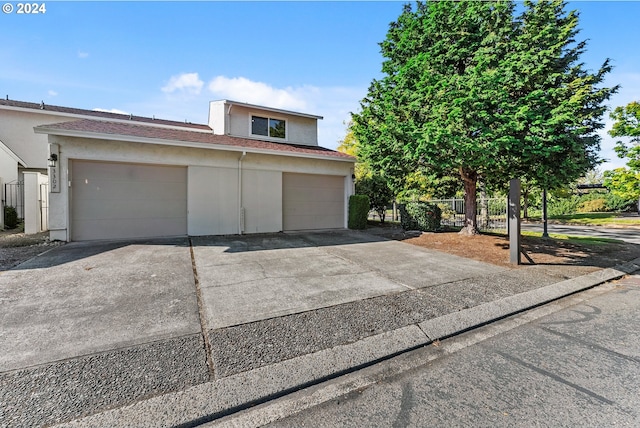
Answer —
(469, 89)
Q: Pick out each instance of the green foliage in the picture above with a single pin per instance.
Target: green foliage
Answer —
(623, 182)
(446, 212)
(627, 124)
(593, 206)
(563, 206)
(10, 217)
(590, 202)
(420, 216)
(470, 89)
(379, 193)
(358, 211)
(619, 204)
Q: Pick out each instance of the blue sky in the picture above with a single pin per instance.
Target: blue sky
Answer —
(169, 59)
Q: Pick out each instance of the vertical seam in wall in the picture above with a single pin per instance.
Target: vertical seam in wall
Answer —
(203, 320)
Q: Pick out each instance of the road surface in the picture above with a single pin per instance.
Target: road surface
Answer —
(630, 235)
(579, 366)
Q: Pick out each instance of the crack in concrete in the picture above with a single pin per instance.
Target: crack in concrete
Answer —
(201, 315)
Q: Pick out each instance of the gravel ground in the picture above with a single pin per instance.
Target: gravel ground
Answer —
(16, 247)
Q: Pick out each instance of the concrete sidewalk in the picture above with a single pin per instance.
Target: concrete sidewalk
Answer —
(172, 332)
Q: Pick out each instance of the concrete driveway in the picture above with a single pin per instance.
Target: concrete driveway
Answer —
(90, 297)
(93, 325)
(252, 278)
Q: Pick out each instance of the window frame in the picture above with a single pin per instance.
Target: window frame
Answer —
(269, 118)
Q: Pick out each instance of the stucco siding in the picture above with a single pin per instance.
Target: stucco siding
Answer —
(212, 201)
(262, 200)
(8, 167)
(300, 130)
(16, 131)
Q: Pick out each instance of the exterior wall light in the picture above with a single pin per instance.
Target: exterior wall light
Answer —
(52, 160)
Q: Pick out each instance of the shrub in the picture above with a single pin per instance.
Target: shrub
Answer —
(358, 211)
(379, 193)
(420, 216)
(593, 206)
(446, 212)
(617, 203)
(562, 206)
(10, 217)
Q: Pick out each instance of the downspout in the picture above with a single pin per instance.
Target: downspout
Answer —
(240, 208)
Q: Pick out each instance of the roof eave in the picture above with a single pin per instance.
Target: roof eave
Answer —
(271, 109)
(180, 143)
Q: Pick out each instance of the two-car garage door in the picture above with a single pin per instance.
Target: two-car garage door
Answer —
(111, 200)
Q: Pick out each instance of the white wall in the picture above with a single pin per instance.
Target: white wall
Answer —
(16, 132)
(262, 200)
(212, 186)
(8, 167)
(217, 113)
(212, 202)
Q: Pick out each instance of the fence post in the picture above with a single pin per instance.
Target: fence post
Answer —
(514, 221)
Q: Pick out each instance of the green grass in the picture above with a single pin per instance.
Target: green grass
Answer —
(588, 240)
(595, 219)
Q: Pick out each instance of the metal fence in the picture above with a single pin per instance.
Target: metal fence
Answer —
(491, 213)
(14, 197)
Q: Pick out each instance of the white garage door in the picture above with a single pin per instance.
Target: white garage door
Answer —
(312, 201)
(120, 200)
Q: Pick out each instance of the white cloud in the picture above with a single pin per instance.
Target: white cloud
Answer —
(189, 83)
(113, 110)
(245, 90)
(52, 93)
(83, 55)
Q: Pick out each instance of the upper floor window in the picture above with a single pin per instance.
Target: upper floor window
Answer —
(268, 127)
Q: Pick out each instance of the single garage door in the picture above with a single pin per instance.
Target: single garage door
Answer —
(112, 200)
(312, 201)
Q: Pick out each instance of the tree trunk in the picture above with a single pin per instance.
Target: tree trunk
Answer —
(469, 181)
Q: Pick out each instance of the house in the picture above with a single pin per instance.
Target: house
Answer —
(252, 169)
(23, 151)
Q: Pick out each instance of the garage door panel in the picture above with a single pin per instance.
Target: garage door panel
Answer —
(125, 171)
(129, 228)
(312, 201)
(126, 209)
(120, 200)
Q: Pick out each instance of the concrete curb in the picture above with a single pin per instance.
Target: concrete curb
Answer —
(213, 400)
(458, 322)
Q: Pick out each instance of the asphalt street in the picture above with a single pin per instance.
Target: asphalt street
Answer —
(630, 235)
(579, 366)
